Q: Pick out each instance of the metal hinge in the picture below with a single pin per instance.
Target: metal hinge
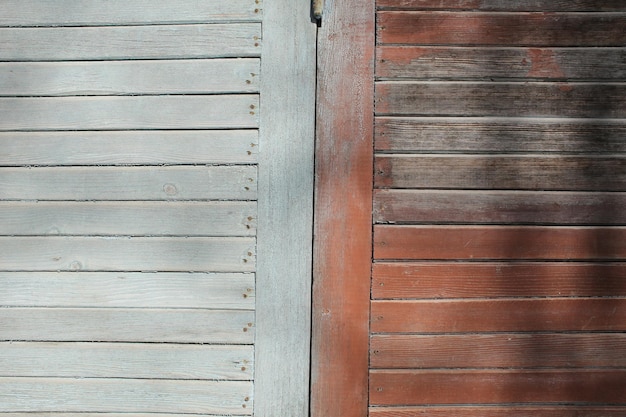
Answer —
(318, 9)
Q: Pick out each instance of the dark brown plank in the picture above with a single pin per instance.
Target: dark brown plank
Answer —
(531, 99)
(499, 242)
(498, 351)
(499, 315)
(512, 29)
(507, 5)
(498, 207)
(490, 63)
(459, 135)
(497, 387)
(491, 411)
(479, 279)
(524, 172)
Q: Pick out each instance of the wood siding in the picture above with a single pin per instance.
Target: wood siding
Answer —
(499, 283)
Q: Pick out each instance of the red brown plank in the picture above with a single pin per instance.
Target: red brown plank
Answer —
(554, 350)
(507, 5)
(512, 29)
(499, 242)
(489, 63)
(479, 279)
(497, 387)
(492, 411)
(471, 135)
(499, 315)
(502, 99)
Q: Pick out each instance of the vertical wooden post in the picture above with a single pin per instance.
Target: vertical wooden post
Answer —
(343, 210)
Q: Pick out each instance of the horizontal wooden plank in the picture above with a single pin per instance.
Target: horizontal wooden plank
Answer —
(494, 411)
(122, 360)
(129, 183)
(125, 395)
(519, 172)
(499, 242)
(497, 279)
(99, 414)
(499, 351)
(192, 76)
(124, 12)
(497, 387)
(496, 135)
(133, 290)
(206, 254)
(151, 218)
(119, 113)
(130, 42)
(126, 325)
(530, 99)
(507, 5)
(522, 207)
(513, 29)
(499, 315)
(129, 147)
(427, 62)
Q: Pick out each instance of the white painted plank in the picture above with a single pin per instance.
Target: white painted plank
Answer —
(130, 42)
(133, 290)
(126, 325)
(130, 147)
(119, 113)
(122, 360)
(121, 12)
(285, 210)
(129, 183)
(206, 254)
(192, 76)
(125, 395)
(35, 414)
(215, 218)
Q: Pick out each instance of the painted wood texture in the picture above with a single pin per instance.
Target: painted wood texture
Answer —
(494, 411)
(118, 12)
(508, 5)
(130, 42)
(119, 360)
(512, 29)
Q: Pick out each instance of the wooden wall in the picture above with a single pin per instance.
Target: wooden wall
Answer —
(499, 282)
(128, 178)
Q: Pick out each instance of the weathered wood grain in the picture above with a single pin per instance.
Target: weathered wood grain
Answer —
(499, 242)
(126, 325)
(129, 147)
(125, 395)
(99, 414)
(548, 350)
(498, 279)
(500, 29)
(129, 183)
(215, 218)
(499, 315)
(503, 207)
(120, 12)
(489, 63)
(130, 42)
(519, 172)
(508, 5)
(119, 113)
(496, 411)
(132, 290)
(583, 387)
(206, 254)
(499, 135)
(121, 360)
(192, 76)
(529, 99)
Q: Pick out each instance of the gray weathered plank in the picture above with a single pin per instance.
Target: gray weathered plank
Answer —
(124, 12)
(126, 325)
(215, 218)
(118, 113)
(125, 395)
(207, 254)
(507, 5)
(132, 290)
(130, 42)
(192, 76)
(121, 360)
(129, 183)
